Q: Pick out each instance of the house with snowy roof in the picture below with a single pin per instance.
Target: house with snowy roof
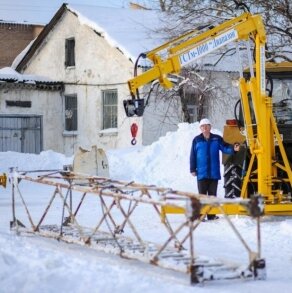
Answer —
(91, 51)
(93, 65)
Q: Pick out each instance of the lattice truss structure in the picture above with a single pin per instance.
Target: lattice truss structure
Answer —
(126, 219)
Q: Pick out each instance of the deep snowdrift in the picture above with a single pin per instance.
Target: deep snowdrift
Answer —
(32, 264)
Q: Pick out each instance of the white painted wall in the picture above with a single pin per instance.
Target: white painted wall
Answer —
(47, 104)
(157, 123)
(160, 117)
(221, 107)
(98, 67)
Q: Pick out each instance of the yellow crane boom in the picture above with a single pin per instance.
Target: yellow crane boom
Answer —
(261, 135)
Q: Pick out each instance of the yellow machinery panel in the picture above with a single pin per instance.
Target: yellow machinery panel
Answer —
(3, 180)
(268, 168)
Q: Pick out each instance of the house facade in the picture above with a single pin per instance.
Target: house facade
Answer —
(29, 122)
(94, 74)
(94, 65)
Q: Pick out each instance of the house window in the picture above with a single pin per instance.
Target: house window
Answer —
(110, 109)
(71, 113)
(70, 52)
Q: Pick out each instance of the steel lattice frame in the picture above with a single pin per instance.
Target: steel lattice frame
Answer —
(118, 202)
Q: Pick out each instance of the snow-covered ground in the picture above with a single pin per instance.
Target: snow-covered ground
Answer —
(33, 264)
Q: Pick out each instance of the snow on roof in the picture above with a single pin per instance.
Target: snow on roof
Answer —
(136, 31)
(9, 74)
(20, 56)
(127, 29)
(130, 30)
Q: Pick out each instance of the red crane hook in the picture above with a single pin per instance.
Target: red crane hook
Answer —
(134, 130)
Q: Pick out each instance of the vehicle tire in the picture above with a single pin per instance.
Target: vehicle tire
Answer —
(232, 180)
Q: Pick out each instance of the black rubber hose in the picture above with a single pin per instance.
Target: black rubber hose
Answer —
(142, 55)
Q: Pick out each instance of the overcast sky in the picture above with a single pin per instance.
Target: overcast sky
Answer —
(41, 11)
(37, 4)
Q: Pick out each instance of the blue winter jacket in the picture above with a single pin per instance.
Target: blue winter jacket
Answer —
(204, 158)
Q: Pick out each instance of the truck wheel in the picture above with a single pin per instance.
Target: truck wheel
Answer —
(232, 181)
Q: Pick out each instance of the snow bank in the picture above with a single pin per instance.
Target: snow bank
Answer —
(164, 163)
(47, 160)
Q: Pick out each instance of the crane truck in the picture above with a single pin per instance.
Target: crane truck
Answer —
(265, 135)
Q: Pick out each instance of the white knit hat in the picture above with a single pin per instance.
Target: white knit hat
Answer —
(204, 121)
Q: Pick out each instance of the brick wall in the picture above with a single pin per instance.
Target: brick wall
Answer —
(13, 39)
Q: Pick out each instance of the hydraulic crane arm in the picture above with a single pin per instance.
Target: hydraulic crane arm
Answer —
(194, 45)
(261, 134)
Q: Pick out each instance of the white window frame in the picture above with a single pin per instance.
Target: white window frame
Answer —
(70, 112)
(109, 109)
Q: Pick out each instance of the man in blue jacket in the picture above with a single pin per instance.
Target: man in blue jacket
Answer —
(204, 159)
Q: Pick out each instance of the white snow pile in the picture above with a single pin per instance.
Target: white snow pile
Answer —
(165, 163)
(34, 264)
(47, 160)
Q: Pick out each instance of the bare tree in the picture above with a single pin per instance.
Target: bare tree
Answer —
(184, 15)
(190, 92)
(181, 16)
